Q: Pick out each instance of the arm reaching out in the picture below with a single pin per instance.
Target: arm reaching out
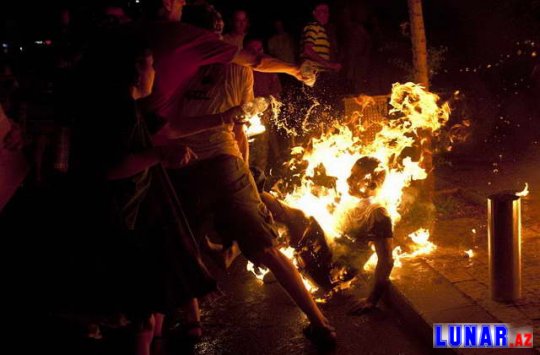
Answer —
(385, 264)
(266, 64)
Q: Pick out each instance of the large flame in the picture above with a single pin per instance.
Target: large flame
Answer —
(414, 111)
(324, 164)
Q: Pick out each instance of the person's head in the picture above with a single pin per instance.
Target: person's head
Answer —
(116, 12)
(145, 73)
(119, 63)
(240, 22)
(173, 9)
(367, 177)
(321, 12)
(204, 16)
(65, 17)
(219, 24)
(254, 45)
(279, 27)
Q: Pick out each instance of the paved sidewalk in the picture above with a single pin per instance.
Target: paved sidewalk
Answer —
(448, 286)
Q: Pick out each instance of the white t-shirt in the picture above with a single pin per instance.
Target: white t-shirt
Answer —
(215, 89)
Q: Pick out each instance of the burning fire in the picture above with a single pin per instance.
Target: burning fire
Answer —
(324, 165)
(289, 252)
(421, 246)
(525, 191)
(372, 261)
(323, 192)
(255, 126)
(253, 111)
(259, 272)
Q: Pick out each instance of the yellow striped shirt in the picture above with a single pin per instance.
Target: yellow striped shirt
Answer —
(315, 34)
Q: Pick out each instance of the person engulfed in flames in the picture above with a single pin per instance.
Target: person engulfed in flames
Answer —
(368, 222)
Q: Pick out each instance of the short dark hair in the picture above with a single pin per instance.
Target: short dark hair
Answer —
(370, 165)
(202, 16)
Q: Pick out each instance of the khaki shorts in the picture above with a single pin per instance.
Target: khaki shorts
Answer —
(223, 191)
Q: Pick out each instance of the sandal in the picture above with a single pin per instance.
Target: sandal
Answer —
(323, 337)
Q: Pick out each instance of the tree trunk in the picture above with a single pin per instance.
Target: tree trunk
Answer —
(421, 76)
(418, 39)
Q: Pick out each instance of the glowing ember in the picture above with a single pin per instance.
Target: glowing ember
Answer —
(525, 191)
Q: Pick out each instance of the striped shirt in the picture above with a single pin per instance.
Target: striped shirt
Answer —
(315, 35)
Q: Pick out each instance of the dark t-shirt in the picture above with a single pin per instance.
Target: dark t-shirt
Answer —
(179, 51)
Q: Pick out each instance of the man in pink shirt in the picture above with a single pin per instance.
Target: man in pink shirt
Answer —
(179, 51)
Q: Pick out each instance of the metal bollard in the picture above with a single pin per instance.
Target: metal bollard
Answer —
(504, 243)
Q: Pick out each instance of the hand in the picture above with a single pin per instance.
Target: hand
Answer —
(187, 155)
(175, 156)
(234, 115)
(295, 71)
(14, 140)
(362, 306)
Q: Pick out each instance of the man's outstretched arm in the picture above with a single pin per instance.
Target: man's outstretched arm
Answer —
(266, 64)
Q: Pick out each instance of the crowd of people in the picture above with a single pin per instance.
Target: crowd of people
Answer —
(151, 157)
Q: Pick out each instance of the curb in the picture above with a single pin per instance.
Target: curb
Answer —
(435, 300)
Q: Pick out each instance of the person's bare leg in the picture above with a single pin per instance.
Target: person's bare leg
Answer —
(291, 281)
(193, 318)
(230, 254)
(157, 345)
(158, 327)
(295, 220)
(144, 336)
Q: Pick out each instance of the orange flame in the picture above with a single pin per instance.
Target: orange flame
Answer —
(324, 166)
(524, 192)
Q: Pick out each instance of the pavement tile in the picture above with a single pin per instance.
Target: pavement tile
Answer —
(427, 290)
(468, 314)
